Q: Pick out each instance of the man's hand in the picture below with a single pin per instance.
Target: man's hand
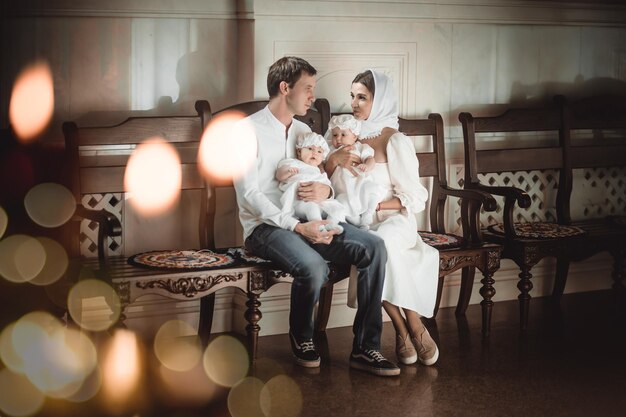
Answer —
(315, 232)
(313, 191)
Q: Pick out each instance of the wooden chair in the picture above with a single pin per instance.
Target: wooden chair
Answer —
(97, 158)
(526, 236)
(468, 252)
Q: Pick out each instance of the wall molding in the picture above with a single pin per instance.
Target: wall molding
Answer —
(450, 11)
(184, 9)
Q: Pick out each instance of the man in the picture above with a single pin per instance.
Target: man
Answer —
(303, 248)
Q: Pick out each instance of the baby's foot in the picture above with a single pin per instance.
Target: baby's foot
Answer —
(334, 226)
(367, 218)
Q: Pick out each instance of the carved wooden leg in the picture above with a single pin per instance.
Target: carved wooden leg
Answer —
(562, 268)
(487, 291)
(465, 292)
(323, 308)
(524, 285)
(618, 276)
(207, 305)
(253, 315)
(123, 291)
(439, 292)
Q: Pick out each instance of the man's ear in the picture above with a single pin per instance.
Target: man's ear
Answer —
(283, 87)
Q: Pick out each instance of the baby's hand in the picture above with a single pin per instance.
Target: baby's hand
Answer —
(293, 170)
(363, 168)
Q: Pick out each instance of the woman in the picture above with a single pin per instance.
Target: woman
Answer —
(412, 267)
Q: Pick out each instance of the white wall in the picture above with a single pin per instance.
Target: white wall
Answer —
(445, 56)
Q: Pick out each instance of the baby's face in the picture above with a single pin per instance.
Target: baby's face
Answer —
(311, 155)
(343, 137)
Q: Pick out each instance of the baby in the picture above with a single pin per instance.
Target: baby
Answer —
(311, 150)
(359, 193)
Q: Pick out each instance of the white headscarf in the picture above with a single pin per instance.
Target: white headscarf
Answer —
(384, 109)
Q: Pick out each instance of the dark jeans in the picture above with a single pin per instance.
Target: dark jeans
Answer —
(306, 262)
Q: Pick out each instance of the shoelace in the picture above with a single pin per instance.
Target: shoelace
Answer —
(376, 355)
(307, 346)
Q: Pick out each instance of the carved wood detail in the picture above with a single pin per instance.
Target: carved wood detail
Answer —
(189, 286)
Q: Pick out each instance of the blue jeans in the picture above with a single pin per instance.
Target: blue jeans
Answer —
(306, 262)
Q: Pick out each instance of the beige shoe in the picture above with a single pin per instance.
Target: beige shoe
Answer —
(427, 351)
(405, 350)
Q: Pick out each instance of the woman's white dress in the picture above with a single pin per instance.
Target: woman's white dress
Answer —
(412, 270)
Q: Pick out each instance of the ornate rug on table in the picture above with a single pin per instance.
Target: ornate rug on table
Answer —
(183, 260)
(539, 230)
(195, 259)
(441, 240)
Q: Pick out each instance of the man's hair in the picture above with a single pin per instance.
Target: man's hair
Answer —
(288, 69)
(367, 79)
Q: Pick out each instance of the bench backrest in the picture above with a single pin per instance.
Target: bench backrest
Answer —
(316, 118)
(596, 128)
(97, 155)
(514, 150)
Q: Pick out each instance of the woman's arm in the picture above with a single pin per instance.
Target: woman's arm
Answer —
(404, 173)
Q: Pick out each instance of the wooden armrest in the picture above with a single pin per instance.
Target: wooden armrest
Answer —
(509, 193)
(107, 222)
(484, 198)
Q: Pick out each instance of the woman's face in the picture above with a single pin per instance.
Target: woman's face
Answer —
(362, 101)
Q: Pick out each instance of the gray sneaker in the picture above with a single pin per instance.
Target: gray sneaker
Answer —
(427, 351)
(372, 361)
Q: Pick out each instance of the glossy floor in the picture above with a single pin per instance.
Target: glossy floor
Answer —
(571, 361)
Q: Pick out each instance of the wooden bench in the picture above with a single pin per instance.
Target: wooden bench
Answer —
(537, 178)
(595, 133)
(468, 254)
(97, 158)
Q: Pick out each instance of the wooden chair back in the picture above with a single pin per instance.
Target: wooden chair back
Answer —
(97, 156)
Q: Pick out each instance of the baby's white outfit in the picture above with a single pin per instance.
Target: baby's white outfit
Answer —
(309, 210)
(359, 194)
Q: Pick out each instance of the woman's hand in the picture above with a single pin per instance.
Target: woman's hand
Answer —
(313, 191)
(343, 158)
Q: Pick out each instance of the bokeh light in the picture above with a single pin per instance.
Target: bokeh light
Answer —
(55, 264)
(32, 101)
(226, 361)
(57, 360)
(10, 357)
(244, 398)
(228, 148)
(95, 294)
(21, 258)
(18, 396)
(281, 396)
(177, 346)
(50, 204)
(121, 367)
(89, 388)
(153, 177)
(187, 388)
(4, 221)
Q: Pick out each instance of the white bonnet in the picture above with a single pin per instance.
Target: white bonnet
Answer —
(312, 139)
(345, 121)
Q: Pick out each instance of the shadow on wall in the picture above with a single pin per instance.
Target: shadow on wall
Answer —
(195, 82)
(541, 94)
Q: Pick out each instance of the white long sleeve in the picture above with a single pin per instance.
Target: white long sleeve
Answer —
(258, 195)
(404, 173)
